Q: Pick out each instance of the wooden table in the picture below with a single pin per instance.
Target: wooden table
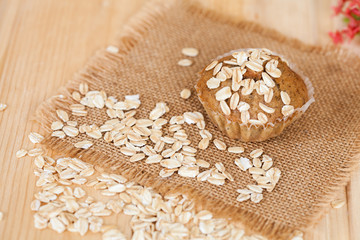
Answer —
(44, 42)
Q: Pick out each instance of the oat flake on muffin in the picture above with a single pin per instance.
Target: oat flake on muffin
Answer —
(253, 94)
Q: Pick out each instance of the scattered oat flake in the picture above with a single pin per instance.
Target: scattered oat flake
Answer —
(217, 68)
(234, 101)
(76, 96)
(219, 144)
(271, 68)
(256, 153)
(185, 93)
(71, 131)
(268, 96)
(256, 197)
(243, 163)
(57, 125)
(236, 149)
(83, 144)
(243, 197)
(268, 80)
(266, 108)
(39, 161)
(62, 115)
(185, 171)
(156, 158)
(223, 94)
(287, 110)
(117, 188)
(83, 88)
(79, 192)
(228, 72)
(113, 234)
(167, 172)
(137, 157)
(21, 153)
(35, 205)
(213, 83)
(159, 110)
(219, 166)
(112, 49)
(225, 108)
(297, 235)
(267, 165)
(339, 203)
(285, 98)
(3, 106)
(57, 225)
(257, 162)
(243, 106)
(82, 225)
(35, 137)
(256, 171)
(190, 52)
(255, 188)
(1, 216)
(170, 163)
(185, 62)
(59, 134)
(216, 181)
(127, 151)
(254, 66)
(262, 117)
(204, 143)
(211, 65)
(99, 101)
(202, 163)
(35, 152)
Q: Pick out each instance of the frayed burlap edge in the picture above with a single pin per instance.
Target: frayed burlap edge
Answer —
(132, 33)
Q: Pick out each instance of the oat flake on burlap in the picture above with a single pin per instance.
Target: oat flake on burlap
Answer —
(315, 154)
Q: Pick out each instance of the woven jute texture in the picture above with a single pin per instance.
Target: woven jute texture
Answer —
(315, 154)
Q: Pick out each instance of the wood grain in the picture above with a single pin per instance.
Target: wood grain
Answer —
(44, 42)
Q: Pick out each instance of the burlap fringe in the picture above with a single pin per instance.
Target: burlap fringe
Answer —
(135, 31)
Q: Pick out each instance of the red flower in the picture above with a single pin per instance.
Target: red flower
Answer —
(354, 3)
(356, 10)
(336, 37)
(337, 9)
(350, 9)
(351, 32)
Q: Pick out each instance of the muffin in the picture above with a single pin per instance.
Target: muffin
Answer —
(253, 94)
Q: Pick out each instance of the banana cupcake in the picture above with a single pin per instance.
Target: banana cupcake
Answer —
(253, 94)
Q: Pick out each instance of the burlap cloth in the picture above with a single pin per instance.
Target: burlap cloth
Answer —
(315, 154)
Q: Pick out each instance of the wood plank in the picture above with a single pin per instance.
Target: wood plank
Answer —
(40, 55)
(353, 196)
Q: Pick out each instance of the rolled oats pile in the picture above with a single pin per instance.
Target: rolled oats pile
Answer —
(62, 202)
(145, 140)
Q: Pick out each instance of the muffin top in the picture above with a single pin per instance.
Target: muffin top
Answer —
(251, 86)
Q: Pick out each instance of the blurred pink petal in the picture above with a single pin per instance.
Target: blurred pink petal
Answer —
(336, 37)
(350, 9)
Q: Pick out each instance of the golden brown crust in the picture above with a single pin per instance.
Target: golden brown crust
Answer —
(289, 81)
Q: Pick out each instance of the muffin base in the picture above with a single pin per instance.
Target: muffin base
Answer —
(249, 132)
